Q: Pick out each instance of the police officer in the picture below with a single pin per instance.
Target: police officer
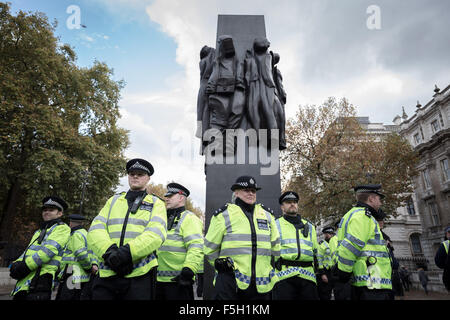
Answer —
(181, 255)
(125, 236)
(326, 256)
(35, 269)
(362, 254)
(241, 241)
(442, 259)
(297, 279)
(77, 264)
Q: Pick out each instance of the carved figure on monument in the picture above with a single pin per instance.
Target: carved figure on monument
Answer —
(261, 87)
(226, 87)
(206, 66)
(280, 114)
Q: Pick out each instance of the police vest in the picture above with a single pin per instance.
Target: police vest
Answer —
(251, 245)
(296, 247)
(326, 254)
(446, 245)
(77, 260)
(362, 250)
(183, 247)
(144, 232)
(46, 255)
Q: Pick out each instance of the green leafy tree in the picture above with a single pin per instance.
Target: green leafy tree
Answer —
(329, 153)
(58, 124)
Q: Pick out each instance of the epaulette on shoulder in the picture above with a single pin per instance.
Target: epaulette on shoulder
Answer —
(220, 210)
(367, 212)
(321, 241)
(267, 208)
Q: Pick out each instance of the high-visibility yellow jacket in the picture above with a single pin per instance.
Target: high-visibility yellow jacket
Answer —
(46, 255)
(145, 231)
(326, 254)
(183, 247)
(363, 251)
(251, 246)
(77, 258)
(296, 247)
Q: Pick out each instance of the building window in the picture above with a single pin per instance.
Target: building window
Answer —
(426, 179)
(416, 247)
(421, 133)
(410, 207)
(441, 120)
(434, 214)
(445, 169)
(435, 127)
(417, 138)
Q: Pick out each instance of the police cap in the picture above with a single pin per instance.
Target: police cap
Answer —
(54, 202)
(369, 188)
(76, 217)
(328, 230)
(140, 165)
(288, 195)
(176, 188)
(245, 182)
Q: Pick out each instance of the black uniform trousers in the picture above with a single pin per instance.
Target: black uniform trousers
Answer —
(227, 289)
(295, 288)
(325, 288)
(43, 290)
(69, 291)
(173, 291)
(121, 288)
(364, 293)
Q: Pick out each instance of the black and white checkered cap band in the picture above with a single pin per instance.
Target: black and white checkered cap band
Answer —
(367, 190)
(138, 166)
(174, 191)
(50, 202)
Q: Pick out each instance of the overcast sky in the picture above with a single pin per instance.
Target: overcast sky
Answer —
(327, 48)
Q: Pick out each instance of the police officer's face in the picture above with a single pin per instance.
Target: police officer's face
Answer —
(289, 207)
(50, 214)
(375, 201)
(174, 201)
(138, 180)
(246, 195)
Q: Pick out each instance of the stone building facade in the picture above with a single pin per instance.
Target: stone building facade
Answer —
(428, 131)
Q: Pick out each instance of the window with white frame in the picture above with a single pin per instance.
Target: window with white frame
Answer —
(432, 207)
(416, 247)
(435, 126)
(417, 139)
(445, 170)
(426, 179)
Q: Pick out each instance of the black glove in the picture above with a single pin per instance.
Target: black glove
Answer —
(119, 259)
(19, 270)
(185, 277)
(278, 264)
(223, 265)
(199, 285)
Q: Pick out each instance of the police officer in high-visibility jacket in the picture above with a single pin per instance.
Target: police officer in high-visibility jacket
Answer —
(326, 258)
(295, 268)
(77, 263)
(35, 269)
(442, 259)
(181, 256)
(241, 242)
(362, 255)
(125, 237)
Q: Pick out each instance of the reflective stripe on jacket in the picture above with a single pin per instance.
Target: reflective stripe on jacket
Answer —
(145, 232)
(46, 255)
(230, 235)
(359, 237)
(183, 247)
(292, 240)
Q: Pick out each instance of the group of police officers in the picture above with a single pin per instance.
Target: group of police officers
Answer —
(140, 247)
